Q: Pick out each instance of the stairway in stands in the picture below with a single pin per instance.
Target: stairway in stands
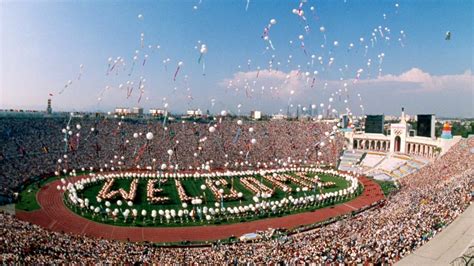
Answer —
(350, 160)
(409, 167)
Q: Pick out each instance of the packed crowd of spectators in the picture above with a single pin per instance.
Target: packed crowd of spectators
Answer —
(30, 147)
(428, 201)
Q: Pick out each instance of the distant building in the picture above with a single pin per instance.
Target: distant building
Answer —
(256, 115)
(156, 112)
(194, 113)
(279, 117)
(391, 118)
(345, 121)
(122, 111)
(137, 111)
(49, 110)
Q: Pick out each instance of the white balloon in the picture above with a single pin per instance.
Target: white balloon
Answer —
(203, 49)
(149, 136)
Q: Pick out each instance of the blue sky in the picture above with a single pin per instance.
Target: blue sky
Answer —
(44, 42)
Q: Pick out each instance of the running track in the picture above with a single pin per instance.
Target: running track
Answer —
(54, 215)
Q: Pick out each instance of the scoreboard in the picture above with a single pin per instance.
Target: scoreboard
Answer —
(374, 124)
(425, 125)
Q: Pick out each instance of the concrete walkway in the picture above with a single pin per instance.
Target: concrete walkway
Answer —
(451, 243)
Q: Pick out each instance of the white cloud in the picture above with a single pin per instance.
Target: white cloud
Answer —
(413, 80)
(420, 81)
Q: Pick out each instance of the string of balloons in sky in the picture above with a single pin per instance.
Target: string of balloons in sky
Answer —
(308, 77)
(305, 72)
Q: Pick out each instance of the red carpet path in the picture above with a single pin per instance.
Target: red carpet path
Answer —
(54, 215)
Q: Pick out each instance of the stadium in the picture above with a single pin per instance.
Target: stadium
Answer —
(331, 183)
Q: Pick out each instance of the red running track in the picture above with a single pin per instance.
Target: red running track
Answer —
(54, 215)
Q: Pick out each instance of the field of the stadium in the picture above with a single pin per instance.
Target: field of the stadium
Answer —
(193, 188)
